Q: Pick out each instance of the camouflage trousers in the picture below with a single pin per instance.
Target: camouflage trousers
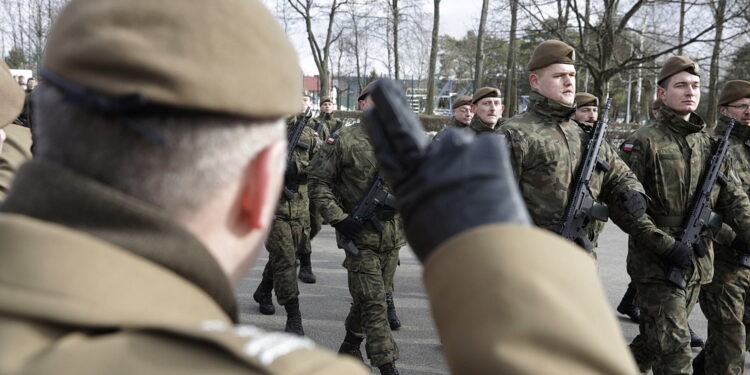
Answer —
(663, 343)
(285, 238)
(370, 276)
(314, 223)
(723, 303)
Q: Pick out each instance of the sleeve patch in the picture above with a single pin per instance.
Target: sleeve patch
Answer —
(330, 140)
(627, 147)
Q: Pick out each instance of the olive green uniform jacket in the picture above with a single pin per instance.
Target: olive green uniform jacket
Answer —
(479, 126)
(669, 157)
(453, 123)
(15, 150)
(81, 294)
(547, 149)
(298, 207)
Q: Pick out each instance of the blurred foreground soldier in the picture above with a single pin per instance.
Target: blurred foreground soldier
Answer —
(724, 300)
(462, 211)
(312, 221)
(340, 176)
(123, 239)
(461, 115)
(15, 140)
(290, 229)
(547, 149)
(670, 155)
(487, 106)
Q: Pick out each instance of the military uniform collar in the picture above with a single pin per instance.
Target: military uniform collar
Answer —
(480, 126)
(740, 131)
(54, 194)
(549, 108)
(680, 126)
(458, 124)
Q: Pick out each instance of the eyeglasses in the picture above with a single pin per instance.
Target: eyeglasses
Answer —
(741, 107)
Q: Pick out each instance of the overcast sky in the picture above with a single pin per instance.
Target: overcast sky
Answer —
(456, 18)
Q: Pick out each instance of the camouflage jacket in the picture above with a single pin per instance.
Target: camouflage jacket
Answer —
(547, 149)
(479, 126)
(669, 156)
(340, 175)
(323, 125)
(453, 123)
(739, 149)
(298, 207)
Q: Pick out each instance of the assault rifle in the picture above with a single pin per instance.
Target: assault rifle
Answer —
(293, 143)
(582, 207)
(701, 215)
(375, 198)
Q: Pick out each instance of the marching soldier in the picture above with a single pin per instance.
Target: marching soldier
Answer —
(547, 147)
(340, 176)
(724, 300)
(487, 106)
(461, 114)
(669, 156)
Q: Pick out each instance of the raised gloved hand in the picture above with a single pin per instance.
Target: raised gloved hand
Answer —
(348, 227)
(633, 202)
(677, 255)
(442, 188)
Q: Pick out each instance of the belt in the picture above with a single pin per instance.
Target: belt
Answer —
(668, 221)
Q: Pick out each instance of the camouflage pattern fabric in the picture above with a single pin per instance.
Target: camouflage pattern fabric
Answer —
(290, 228)
(724, 300)
(546, 151)
(669, 156)
(479, 126)
(663, 344)
(285, 237)
(321, 126)
(453, 123)
(370, 275)
(340, 175)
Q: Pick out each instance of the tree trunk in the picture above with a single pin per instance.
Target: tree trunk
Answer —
(395, 40)
(433, 59)
(681, 31)
(511, 105)
(713, 90)
(479, 61)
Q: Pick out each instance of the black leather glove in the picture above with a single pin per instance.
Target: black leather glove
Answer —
(740, 245)
(348, 227)
(633, 202)
(678, 255)
(442, 188)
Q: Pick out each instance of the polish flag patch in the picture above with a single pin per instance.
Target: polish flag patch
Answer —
(627, 147)
(330, 140)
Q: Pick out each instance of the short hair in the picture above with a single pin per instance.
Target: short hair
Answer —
(200, 155)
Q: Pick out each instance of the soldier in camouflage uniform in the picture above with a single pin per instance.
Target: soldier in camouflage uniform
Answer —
(487, 106)
(289, 232)
(723, 301)
(340, 176)
(547, 148)
(320, 129)
(586, 114)
(669, 156)
(462, 115)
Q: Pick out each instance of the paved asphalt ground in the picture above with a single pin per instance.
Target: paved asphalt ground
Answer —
(325, 304)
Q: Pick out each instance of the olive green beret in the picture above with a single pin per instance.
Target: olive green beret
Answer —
(366, 91)
(676, 64)
(326, 99)
(12, 94)
(225, 56)
(584, 99)
(461, 101)
(734, 90)
(551, 52)
(485, 92)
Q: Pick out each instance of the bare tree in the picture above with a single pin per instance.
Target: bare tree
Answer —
(479, 60)
(719, 10)
(433, 59)
(511, 103)
(321, 56)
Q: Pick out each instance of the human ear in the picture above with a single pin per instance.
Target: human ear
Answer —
(263, 180)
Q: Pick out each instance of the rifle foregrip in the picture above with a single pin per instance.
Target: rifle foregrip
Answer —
(675, 277)
(345, 243)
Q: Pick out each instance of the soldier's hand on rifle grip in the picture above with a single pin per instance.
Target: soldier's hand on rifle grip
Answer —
(348, 227)
(290, 174)
(677, 255)
(442, 188)
(633, 202)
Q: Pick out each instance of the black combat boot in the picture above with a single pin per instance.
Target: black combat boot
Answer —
(627, 306)
(293, 317)
(262, 295)
(393, 319)
(306, 274)
(351, 345)
(699, 363)
(388, 369)
(695, 340)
